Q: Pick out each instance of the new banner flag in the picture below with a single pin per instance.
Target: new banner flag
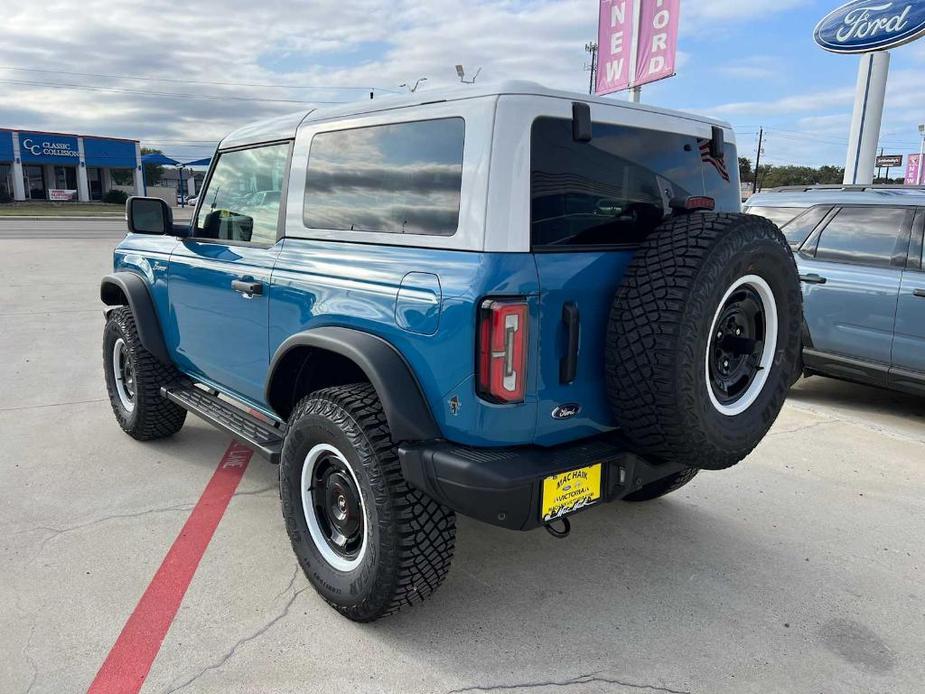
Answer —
(637, 42)
(912, 170)
(614, 38)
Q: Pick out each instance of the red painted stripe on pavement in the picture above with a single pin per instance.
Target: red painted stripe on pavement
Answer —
(130, 658)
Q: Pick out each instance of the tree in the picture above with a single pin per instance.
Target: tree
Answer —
(791, 175)
(746, 175)
(153, 172)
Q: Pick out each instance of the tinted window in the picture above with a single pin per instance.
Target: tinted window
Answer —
(402, 179)
(778, 215)
(798, 230)
(616, 188)
(865, 235)
(242, 200)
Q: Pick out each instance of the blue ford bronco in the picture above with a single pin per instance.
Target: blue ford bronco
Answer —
(510, 303)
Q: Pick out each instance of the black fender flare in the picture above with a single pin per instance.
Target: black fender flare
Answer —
(135, 290)
(403, 402)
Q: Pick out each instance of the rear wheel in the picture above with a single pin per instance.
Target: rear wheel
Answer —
(134, 378)
(368, 543)
(703, 339)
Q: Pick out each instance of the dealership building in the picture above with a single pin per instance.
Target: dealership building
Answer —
(37, 165)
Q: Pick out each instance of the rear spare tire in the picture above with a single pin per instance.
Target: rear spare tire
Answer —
(703, 338)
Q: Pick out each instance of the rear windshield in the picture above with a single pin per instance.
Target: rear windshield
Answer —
(615, 189)
(778, 215)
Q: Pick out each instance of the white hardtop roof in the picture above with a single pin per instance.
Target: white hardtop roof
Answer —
(284, 127)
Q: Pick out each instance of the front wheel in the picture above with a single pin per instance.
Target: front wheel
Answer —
(134, 378)
(368, 543)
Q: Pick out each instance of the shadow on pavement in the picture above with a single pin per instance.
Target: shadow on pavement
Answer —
(819, 390)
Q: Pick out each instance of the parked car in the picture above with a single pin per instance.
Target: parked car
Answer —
(511, 303)
(859, 251)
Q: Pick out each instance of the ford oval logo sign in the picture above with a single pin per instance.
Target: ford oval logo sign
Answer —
(861, 26)
(566, 411)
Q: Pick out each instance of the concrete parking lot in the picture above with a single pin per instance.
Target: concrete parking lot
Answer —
(800, 570)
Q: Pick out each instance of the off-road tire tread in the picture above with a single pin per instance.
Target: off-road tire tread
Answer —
(426, 529)
(668, 278)
(156, 417)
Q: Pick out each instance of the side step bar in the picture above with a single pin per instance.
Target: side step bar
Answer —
(252, 431)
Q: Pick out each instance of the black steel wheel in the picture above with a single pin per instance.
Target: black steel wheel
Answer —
(368, 542)
(134, 378)
(704, 338)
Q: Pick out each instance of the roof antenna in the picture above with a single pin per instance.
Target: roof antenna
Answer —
(462, 75)
(412, 90)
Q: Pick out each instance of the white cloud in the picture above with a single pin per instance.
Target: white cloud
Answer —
(320, 42)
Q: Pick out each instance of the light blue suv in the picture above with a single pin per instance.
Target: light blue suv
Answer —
(506, 302)
(859, 251)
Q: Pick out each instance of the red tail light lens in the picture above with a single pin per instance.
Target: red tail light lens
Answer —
(502, 350)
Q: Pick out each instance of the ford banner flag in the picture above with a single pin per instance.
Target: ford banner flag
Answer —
(637, 43)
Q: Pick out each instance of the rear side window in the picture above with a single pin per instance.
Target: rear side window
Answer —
(402, 178)
(778, 215)
(616, 188)
(864, 235)
(798, 230)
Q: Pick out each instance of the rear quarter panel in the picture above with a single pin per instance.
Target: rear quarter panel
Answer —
(319, 282)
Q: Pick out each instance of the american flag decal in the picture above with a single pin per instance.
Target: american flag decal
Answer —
(707, 158)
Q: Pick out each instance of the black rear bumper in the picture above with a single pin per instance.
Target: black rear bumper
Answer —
(502, 486)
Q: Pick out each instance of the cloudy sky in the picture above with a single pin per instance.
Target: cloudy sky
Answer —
(179, 75)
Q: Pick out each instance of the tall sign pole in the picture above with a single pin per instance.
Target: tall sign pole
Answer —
(869, 28)
(869, 95)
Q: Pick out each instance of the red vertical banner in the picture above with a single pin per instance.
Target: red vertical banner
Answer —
(912, 169)
(637, 43)
(615, 29)
(657, 40)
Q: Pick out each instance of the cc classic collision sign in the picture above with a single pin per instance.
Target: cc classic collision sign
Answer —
(862, 26)
(50, 149)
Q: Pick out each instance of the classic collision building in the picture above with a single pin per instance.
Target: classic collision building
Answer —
(59, 166)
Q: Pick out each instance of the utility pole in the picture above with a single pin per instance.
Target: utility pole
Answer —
(591, 47)
(879, 171)
(757, 159)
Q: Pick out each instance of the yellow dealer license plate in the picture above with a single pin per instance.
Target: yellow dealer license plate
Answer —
(569, 491)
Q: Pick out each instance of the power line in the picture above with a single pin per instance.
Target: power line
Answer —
(82, 87)
(185, 81)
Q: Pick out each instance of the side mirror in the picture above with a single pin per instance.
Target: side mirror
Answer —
(228, 225)
(148, 216)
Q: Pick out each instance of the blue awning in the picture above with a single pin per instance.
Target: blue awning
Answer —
(158, 159)
(199, 162)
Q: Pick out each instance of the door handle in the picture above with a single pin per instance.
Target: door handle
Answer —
(812, 278)
(568, 365)
(248, 289)
(919, 293)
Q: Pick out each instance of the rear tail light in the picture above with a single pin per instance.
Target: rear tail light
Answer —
(502, 350)
(693, 203)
